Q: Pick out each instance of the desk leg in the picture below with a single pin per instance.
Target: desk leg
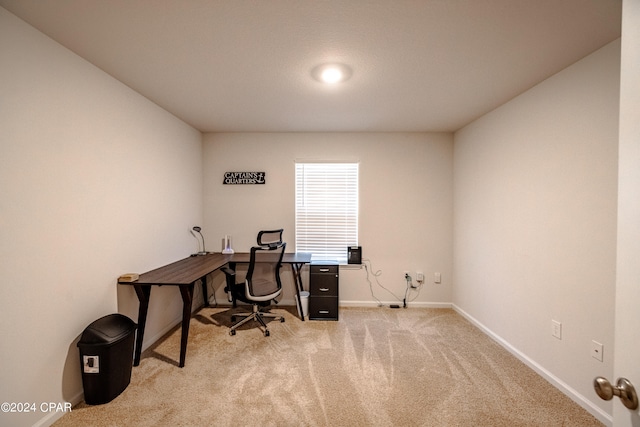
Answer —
(297, 278)
(230, 284)
(144, 294)
(187, 299)
(203, 281)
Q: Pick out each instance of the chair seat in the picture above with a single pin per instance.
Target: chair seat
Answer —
(267, 293)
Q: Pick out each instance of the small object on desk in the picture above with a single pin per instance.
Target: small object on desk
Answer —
(354, 255)
(227, 245)
(129, 277)
(198, 230)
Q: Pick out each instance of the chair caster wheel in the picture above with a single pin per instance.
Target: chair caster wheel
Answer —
(266, 333)
(282, 320)
(232, 332)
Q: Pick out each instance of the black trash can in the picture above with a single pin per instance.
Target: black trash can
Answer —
(106, 357)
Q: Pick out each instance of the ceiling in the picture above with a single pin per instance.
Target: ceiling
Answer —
(245, 65)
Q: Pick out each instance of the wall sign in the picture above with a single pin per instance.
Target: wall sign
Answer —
(244, 178)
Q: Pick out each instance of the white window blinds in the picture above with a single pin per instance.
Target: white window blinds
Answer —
(326, 209)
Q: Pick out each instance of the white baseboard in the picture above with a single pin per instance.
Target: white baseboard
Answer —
(388, 303)
(54, 416)
(585, 403)
(149, 341)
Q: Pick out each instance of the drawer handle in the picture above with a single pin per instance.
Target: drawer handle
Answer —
(324, 311)
(324, 270)
(324, 289)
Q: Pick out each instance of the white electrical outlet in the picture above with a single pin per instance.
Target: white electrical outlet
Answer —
(437, 278)
(556, 329)
(596, 350)
(419, 277)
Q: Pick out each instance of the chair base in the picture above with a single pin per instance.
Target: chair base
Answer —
(256, 315)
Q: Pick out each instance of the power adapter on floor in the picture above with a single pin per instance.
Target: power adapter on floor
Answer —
(394, 306)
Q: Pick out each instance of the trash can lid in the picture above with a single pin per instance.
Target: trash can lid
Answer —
(107, 329)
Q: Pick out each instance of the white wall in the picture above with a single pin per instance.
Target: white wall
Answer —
(95, 181)
(405, 201)
(535, 222)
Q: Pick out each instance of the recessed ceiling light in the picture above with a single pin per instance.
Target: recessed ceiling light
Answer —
(331, 73)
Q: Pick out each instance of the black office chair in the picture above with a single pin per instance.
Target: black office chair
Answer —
(258, 289)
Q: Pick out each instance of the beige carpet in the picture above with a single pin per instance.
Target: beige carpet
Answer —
(374, 367)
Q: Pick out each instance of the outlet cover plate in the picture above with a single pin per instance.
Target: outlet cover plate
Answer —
(597, 350)
(556, 329)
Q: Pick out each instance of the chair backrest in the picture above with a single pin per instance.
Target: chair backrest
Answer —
(268, 259)
(270, 237)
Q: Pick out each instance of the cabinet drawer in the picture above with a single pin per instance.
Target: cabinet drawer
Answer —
(323, 269)
(323, 308)
(325, 285)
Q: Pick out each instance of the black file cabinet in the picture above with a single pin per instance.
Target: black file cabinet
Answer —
(323, 292)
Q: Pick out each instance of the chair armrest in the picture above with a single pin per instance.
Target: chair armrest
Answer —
(228, 272)
(231, 281)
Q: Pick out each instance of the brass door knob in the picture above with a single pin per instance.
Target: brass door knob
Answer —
(623, 389)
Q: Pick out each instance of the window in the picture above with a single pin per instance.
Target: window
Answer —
(326, 209)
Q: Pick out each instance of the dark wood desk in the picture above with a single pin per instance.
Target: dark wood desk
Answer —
(184, 274)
